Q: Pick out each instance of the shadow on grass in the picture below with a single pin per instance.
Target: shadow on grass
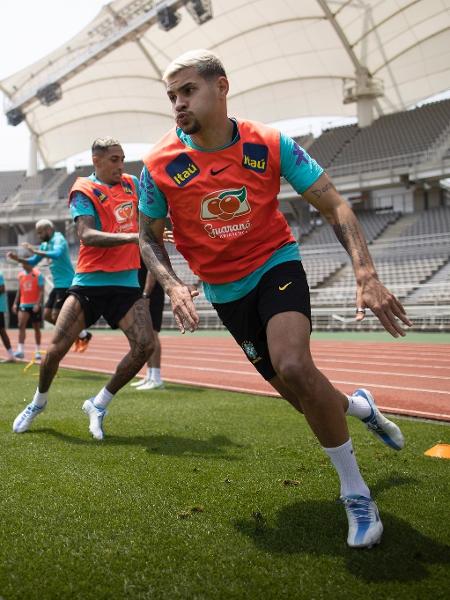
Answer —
(320, 528)
(165, 445)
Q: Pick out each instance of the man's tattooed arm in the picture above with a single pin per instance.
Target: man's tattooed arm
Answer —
(90, 236)
(324, 197)
(154, 253)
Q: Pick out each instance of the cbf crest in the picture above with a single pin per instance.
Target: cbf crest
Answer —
(250, 351)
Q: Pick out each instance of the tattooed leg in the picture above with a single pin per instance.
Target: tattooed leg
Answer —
(68, 325)
(137, 326)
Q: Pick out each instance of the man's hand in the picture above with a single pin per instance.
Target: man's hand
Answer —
(28, 247)
(14, 308)
(372, 294)
(12, 256)
(183, 308)
(168, 236)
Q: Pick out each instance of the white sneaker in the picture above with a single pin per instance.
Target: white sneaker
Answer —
(37, 356)
(10, 359)
(139, 382)
(23, 421)
(96, 416)
(364, 523)
(151, 385)
(384, 429)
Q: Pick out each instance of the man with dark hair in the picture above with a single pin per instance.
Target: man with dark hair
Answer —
(220, 178)
(104, 208)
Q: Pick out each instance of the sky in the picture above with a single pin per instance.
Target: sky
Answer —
(47, 24)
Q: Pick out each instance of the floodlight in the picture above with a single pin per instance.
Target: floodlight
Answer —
(49, 94)
(15, 116)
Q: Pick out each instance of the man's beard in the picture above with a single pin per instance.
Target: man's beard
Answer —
(192, 129)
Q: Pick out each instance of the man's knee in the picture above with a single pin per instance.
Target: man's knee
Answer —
(298, 372)
(142, 349)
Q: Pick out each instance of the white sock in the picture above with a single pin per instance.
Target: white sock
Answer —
(38, 349)
(40, 399)
(358, 407)
(103, 398)
(83, 333)
(149, 374)
(10, 351)
(344, 461)
(19, 347)
(156, 375)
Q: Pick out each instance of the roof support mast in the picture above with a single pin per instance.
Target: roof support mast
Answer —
(364, 89)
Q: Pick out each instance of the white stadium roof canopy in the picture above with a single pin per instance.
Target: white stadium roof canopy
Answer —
(284, 58)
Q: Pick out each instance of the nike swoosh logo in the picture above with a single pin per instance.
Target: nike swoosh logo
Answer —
(219, 170)
(283, 287)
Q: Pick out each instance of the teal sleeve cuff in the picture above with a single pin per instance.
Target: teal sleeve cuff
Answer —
(81, 205)
(152, 201)
(297, 166)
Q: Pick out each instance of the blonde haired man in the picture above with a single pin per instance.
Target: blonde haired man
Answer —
(220, 177)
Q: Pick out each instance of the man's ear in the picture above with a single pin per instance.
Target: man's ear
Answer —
(223, 86)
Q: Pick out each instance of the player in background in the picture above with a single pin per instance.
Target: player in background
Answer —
(219, 177)
(55, 248)
(3, 333)
(154, 294)
(28, 306)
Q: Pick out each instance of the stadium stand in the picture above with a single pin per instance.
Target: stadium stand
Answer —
(331, 143)
(430, 222)
(10, 181)
(65, 186)
(393, 139)
(373, 225)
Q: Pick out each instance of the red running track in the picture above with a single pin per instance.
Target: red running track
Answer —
(407, 379)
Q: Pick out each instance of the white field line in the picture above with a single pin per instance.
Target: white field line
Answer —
(251, 371)
(204, 356)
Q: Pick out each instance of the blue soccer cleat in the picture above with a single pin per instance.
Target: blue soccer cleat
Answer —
(364, 524)
(387, 431)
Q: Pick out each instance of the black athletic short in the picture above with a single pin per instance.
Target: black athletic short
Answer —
(35, 317)
(2, 320)
(110, 301)
(283, 288)
(157, 306)
(56, 298)
(156, 299)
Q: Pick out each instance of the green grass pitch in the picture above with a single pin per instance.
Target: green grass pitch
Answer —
(204, 494)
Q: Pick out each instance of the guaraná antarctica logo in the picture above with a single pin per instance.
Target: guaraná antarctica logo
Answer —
(225, 205)
(124, 212)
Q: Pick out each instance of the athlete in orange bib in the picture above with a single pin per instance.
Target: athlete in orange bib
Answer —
(219, 178)
(104, 208)
(28, 306)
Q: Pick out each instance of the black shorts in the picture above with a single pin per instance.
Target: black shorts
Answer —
(283, 288)
(157, 306)
(56, 298)
(110, 301)
(35, 317)
(2, 320)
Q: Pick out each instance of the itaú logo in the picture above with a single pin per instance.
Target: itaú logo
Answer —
(224, 205)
